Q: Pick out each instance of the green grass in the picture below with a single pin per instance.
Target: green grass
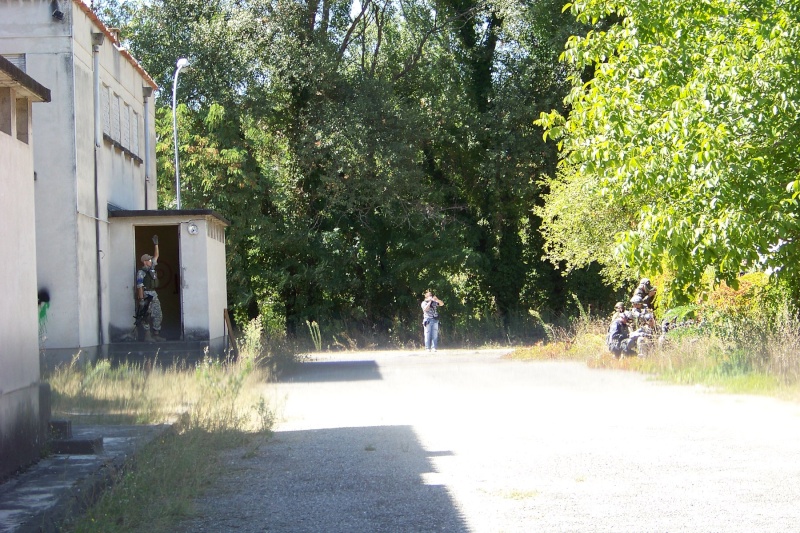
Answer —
(689, 357)
(213, 406)
(127, 393)
(162, 481)
(215, 393)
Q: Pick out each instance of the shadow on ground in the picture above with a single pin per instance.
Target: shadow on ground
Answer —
(329, 371)
(59, 487)
(360, 479)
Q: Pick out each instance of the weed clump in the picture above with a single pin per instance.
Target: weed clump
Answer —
(213, 406)
(740, 340)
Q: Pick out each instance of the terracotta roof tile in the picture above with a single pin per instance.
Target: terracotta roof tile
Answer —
(111, 36)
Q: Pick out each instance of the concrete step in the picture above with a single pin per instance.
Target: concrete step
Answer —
(62, 441)
(77, 446)
(42, 497)
(60, 429)
(166, 352)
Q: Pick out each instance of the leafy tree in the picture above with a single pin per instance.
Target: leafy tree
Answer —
(364, 151)
(688, 132)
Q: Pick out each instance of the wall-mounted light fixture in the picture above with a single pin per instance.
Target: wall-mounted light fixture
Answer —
(57, 14)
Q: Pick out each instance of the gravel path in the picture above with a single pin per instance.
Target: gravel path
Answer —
(465, 441)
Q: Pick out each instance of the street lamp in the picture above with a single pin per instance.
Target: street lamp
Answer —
(182, 62)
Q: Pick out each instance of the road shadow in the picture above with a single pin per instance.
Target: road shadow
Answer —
(353, 480)
(330, 371)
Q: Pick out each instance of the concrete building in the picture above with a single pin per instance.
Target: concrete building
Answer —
(22, 434)
(95, 189)
(191, 272)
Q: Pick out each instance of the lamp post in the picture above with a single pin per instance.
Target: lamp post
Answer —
(182, 62)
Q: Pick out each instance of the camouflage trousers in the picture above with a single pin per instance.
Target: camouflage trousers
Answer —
(154, 313)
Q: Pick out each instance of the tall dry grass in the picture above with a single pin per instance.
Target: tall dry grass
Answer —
(760, 363)
(214, 394)
(213, 406)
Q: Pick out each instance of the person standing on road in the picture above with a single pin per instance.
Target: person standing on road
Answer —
(146, 283)
(430, 320)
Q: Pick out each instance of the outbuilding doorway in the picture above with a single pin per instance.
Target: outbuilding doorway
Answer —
(168, 269)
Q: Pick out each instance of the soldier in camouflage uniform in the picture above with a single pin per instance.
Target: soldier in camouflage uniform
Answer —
(619, 308)
(146, 284)
(641, 314)
(619, 339)
(647, 292)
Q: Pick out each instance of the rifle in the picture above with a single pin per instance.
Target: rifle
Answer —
(142, 312)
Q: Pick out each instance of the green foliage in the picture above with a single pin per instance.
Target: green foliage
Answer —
(316, 336)
(251, 347)
(364, 151)
(265, 415)
(681, 313)
(579, 226)
(217, 406)
(747, 316)
(686, 332)
(686, 129)
(734, 362)
(222, 382)
(215, 409)
(690, 355)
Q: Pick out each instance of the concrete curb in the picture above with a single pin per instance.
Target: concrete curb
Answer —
(43, 497)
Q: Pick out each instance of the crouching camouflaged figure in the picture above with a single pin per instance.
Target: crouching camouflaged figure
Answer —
(619, 339)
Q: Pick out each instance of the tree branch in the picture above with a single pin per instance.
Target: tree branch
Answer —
(380, 19)
(350, 30)
(414, 58)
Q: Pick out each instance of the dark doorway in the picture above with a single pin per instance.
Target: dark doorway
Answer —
(168, 269)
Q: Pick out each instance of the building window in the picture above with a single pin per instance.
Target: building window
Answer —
(115, 117)
(125, 125)
(135, 132)
(120, 124)
(6, 110)
(22, 119)
(106, 107)
(18, 60)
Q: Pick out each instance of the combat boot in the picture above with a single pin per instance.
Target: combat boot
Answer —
(147, 336)
(157, 337)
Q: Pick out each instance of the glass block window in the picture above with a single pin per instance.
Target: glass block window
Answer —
(125, 125)
(135, 132)
(115, 117)
(105, 106)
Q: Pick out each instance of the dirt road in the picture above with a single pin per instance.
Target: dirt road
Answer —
(467, 441)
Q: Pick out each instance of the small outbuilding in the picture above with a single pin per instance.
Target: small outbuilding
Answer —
(191, 273)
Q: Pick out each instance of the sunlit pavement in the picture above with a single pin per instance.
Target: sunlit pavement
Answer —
(469, 441)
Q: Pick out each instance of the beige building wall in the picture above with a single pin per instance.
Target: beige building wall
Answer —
(19, 330)
(76, 177)
(217, 269)
(45, 50)
(22, 429)
(205, 288)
